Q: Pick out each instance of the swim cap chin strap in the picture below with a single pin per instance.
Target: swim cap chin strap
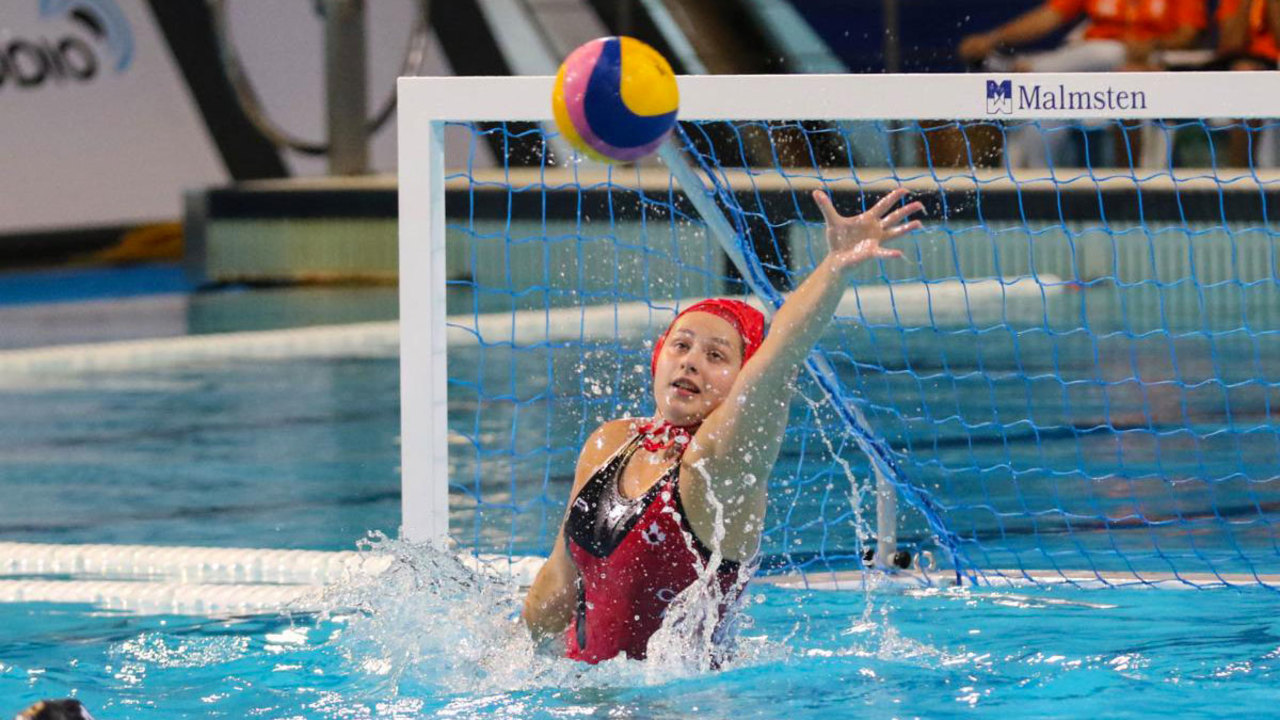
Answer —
(658, 434)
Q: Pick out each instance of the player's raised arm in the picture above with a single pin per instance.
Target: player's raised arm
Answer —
(742, 437)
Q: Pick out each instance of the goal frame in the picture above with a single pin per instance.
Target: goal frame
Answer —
(426, 104)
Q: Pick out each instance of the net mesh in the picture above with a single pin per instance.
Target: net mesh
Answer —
(1068, 376)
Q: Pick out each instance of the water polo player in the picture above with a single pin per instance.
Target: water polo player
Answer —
(654, 501)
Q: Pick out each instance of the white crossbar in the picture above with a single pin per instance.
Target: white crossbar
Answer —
(969, 96)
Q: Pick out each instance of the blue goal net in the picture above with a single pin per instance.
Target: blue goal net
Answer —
(1067, 378)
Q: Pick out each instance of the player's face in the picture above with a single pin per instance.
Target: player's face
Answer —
(696, 367)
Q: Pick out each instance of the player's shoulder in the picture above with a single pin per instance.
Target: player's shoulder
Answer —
(605, 440)
(611, 434)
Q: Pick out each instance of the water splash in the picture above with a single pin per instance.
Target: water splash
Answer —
(698, 626)
(704, 628)
(430, 624)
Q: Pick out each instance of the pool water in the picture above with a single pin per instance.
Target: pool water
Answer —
(428, 641)
(298, 454)
(304, 454)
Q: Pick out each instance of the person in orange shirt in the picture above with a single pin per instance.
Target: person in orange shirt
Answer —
(1120, 35)
(1247, 41)
(1246, 35)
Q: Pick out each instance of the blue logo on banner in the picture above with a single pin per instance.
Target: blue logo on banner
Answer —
(1003, 98)
(103, 19)
(999, 97)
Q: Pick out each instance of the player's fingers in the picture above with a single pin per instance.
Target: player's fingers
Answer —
(823, 200)
(898, 231)
(902, 213)
(886, 203)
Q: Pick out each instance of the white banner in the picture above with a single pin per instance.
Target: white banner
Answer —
(97, 126)
(883, 97)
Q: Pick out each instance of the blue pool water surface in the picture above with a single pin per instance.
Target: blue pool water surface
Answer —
(280, 454)
(958, 653)
(304, 454)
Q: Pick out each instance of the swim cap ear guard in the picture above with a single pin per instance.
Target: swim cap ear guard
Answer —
(748, 321)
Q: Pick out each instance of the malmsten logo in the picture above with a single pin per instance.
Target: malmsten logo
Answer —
(1003, 98)
(31, 62)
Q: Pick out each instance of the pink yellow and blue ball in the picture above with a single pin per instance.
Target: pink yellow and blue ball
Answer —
(615, 99)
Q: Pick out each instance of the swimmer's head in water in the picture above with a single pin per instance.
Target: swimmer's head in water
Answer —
(697, 359)
(68, 709)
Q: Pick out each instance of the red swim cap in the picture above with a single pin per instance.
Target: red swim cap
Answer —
(748, 321)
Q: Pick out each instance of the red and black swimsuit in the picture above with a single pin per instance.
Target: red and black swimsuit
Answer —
(633, 559)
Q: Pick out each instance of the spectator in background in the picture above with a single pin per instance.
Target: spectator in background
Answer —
(1246, 35)
(1126, 35)
(1119, 35)
(1246, 41)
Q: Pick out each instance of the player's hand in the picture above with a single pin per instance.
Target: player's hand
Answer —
(852, 241)
(974, 48)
